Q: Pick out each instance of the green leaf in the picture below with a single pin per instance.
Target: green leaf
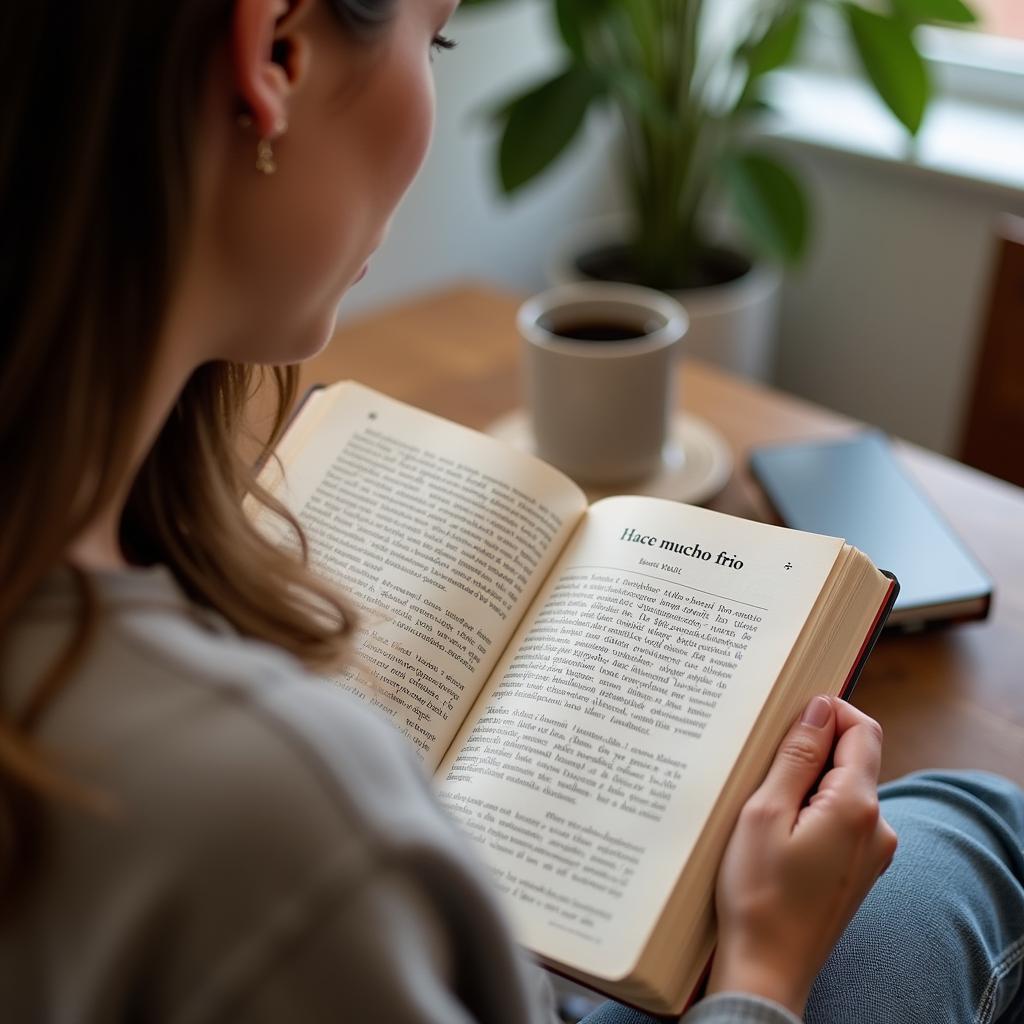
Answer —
(772, 204)
(542, 122)
(892, 62)
(572, 18)
(917, 12)
(776, 47)
(569, 26)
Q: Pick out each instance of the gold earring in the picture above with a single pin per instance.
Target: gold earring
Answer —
(265, 162)
(265, 157)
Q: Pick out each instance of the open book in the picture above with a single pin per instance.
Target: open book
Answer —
(595, 690)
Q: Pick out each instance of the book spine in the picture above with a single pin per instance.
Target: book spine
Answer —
(872, 637)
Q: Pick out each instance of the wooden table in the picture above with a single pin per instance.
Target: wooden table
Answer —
(951, 698)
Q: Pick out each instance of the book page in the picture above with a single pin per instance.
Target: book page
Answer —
(592, 760)
(439, 535)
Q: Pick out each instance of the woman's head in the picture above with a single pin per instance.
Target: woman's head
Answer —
(352, 82)
(140, 239)
(142, 249)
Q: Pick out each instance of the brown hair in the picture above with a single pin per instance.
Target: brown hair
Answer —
(95, 187)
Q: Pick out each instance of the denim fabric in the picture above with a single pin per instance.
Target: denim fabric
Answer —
(940, 938)
(725, 1008)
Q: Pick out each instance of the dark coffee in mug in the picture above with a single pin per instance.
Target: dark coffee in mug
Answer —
(599, 330)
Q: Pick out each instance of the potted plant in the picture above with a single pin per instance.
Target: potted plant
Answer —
(688, 99)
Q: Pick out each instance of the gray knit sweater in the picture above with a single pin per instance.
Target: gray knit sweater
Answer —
(276, 853)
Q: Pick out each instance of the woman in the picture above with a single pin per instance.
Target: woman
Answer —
(194, 829)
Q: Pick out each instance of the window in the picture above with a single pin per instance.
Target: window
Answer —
(975, 128)
(1001, 17)
(982, 63)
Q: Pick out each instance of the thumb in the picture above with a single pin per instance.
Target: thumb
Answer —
(802, 755)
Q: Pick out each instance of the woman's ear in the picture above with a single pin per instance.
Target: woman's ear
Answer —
(270, 56)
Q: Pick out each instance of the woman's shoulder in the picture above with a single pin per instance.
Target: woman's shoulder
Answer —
(254, 807)
(171, 707)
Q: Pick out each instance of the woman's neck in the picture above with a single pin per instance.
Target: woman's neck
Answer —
(98, 545)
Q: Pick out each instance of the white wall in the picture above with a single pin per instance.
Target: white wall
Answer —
(883, 320)
(453, 221)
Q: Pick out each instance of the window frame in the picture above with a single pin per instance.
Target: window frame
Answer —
(966, 64)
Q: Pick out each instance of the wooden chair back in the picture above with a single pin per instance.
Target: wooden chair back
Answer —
(993, 434)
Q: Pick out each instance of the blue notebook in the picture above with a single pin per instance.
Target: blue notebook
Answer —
(855, 489)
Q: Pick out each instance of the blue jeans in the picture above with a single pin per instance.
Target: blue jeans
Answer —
(940, 938)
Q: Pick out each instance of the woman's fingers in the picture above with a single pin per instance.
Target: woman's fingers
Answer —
(845, 805)
(847, 794)
(798, 763)
(859, 745)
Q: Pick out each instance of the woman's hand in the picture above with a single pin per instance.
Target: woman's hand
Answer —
(794, 874)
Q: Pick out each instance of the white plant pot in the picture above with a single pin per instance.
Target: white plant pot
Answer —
(733, 325)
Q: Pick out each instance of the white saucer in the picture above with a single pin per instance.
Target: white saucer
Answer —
(697, 462)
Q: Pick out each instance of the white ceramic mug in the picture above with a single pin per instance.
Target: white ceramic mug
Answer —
(601, 410)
